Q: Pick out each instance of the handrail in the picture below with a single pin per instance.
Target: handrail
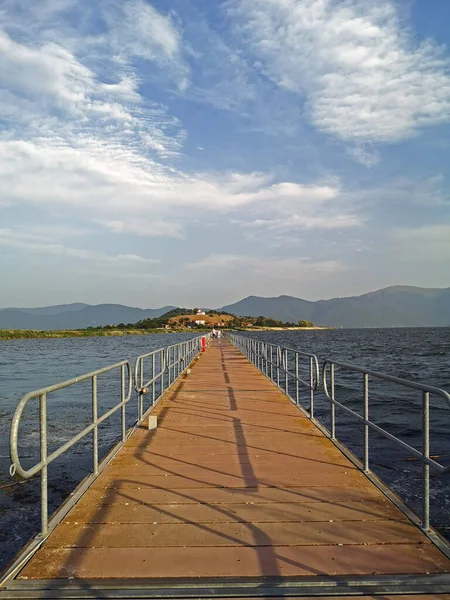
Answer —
(45, 459)
(424, 455)
(171, 361)
(282, 366)
(276, 363)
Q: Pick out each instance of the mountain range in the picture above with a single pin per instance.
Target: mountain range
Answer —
(75, 316)
(397, 306)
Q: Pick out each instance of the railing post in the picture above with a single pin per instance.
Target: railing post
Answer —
(141, 384)
(333, 408)
(426, 455)
(95, 430)
(266, 358)
(297, 394)
(286, 372)
(366, 426)
(153, 379)
(311, 388)
(122, 380)
(169, 362)
(162, 363)
(44, 482)
(271, 362)
(278, 365)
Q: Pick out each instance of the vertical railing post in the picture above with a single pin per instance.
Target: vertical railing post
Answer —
(297, 392)
(95, 430)
(311, 388)
(333, 408)
(426, 455)
(169, 362)
(286, 372)
(44, 474)
(162, 368)
(266, 357)
(278, 365)
(153, 378)
(271, 362)
(122, 381)
(366, 425)
(141, 385)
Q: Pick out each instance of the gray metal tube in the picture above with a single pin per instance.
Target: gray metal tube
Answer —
(366, 426)
(153, 378)
(122, 398)
(44, 474)
(333, 412)
(286, 376)
(311, 388)
(95, 430)
(426, 455)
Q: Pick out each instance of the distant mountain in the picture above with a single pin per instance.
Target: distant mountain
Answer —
(75, 316)
(51, 310)
(397, 306)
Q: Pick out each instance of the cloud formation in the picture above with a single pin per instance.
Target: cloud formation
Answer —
(134, 132)
(362, 76)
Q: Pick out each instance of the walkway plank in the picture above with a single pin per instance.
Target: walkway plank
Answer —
(235, 482)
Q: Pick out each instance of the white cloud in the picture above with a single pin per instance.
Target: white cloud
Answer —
(136, 29)
(40, 244)
(99, 150)
(115, 186)
(363, 76)
(52, 77)
(143, 31)
(295, 221)
(299, 207)
(366, 157)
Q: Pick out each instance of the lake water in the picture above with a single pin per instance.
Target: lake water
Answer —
(422, 355)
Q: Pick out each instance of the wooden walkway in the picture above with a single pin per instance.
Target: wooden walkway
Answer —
(235, 482)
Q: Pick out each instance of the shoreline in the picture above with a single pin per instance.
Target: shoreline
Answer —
(314, 328)
(32, 334)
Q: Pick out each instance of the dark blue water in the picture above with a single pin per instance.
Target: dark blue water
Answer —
(422, 355)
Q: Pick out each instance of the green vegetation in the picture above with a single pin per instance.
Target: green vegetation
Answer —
(244, 322)
(17, 334)
(305, 324)
(156, 325)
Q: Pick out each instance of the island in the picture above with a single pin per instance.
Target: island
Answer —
(178, 320)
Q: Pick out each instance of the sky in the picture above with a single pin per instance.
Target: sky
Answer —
(194, 152)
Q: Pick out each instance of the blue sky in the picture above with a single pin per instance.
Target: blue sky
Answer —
(196, 152)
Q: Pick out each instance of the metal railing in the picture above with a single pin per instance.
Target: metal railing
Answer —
(167, 366)
(281, 365)
(45, 458)
(164, 367)
(289, 369)
(423, 455)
